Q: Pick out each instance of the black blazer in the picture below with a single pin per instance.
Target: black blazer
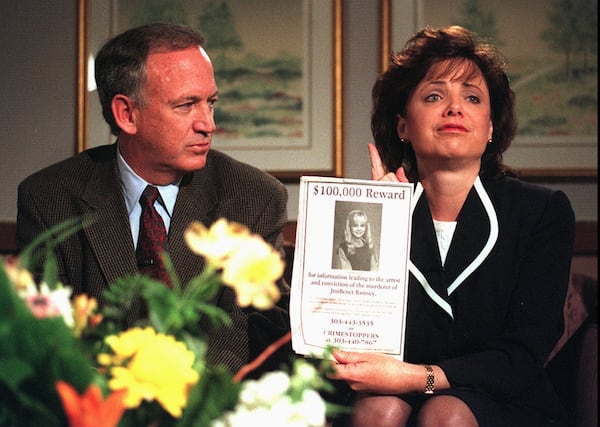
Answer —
(493, 328)
(104, 251)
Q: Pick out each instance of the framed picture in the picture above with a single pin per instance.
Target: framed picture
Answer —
(552, 64)
(277, 65)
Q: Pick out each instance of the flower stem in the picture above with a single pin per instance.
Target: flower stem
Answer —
(272, 348)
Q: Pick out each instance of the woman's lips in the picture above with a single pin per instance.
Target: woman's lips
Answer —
(453, 127)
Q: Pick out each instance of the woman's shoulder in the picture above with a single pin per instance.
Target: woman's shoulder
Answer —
(520, 187)
(526, 195)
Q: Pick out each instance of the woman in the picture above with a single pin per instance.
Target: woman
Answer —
(357, 251)
(490, 254)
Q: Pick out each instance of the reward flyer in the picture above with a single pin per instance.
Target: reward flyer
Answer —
(350, 273)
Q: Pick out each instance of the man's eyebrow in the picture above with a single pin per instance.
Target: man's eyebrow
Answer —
(184, 99)
(194, 98)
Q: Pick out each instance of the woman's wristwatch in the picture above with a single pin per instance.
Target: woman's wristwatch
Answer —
(430, 383)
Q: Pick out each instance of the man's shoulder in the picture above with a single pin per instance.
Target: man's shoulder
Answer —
(237, 172)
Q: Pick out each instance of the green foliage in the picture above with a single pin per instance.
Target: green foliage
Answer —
(170, 311)
(549, 103)
(40, 250)
(242, 75)
(158, 11)
(214, 394)
(34, 354)
(583, 101)
(572, 29)
(475, 18)
(217, 24)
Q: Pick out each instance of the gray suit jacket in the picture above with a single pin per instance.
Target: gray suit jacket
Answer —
(88, 184)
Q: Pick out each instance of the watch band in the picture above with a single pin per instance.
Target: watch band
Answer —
(430, 383)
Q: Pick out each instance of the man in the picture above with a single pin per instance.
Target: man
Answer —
(157, 89)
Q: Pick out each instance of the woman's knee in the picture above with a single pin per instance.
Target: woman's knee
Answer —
(380, 411)
(446, 411)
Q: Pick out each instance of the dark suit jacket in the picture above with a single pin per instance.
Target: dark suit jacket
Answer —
(104, 251)
(506, 315)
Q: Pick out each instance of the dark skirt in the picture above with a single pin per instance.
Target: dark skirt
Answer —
(489, 412)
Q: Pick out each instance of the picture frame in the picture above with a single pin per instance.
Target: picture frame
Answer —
(570, 154)
(315, 150)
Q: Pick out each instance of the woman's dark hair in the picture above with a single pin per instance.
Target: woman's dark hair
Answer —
(120, 66)
(408, 67)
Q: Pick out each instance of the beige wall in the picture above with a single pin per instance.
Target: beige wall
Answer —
(38, 93)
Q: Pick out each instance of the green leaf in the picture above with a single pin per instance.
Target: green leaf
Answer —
(34, 354)
(29, 257)
(214, 394)
(205, 286)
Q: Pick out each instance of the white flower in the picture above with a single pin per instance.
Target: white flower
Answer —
(264, 391)
(244, 417)
(47, 303)
(268, 401)
(313, 408)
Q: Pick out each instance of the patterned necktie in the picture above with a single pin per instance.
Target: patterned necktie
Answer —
(152, 238)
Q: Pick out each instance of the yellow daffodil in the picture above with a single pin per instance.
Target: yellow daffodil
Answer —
(150, 366)
(252, 271)
(217, 243)
(250, 265)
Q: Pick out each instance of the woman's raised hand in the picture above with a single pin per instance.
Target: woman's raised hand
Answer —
(379, 172)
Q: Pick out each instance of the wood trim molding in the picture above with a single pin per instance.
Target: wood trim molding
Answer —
(586, 237)
(8, 231)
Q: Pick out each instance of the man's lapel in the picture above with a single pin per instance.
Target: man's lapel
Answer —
(109, 235)
(196, 201)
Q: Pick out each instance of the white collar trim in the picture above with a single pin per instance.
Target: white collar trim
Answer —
(493, 237)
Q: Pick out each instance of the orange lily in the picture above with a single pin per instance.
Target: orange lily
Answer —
(90, 409)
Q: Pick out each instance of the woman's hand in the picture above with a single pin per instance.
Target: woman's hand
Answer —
(379, 172)
(377, 373)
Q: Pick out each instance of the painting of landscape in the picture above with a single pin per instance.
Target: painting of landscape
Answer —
(257, 57)
(551, 50)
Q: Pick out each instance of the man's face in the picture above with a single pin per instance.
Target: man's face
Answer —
(175, 124)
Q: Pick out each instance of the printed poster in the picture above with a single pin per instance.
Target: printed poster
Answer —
(350, 275)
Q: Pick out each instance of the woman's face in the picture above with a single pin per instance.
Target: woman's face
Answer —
(448, 117)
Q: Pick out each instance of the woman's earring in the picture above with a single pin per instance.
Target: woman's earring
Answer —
(402, 140)
(490, 141)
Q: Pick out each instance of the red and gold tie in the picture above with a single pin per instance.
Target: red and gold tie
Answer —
(152, 238)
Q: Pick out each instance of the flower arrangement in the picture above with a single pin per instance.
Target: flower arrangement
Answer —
(66, 362)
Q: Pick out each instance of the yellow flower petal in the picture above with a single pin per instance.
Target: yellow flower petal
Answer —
(158, 368)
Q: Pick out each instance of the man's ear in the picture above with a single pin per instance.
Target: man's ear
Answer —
(124, 113)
